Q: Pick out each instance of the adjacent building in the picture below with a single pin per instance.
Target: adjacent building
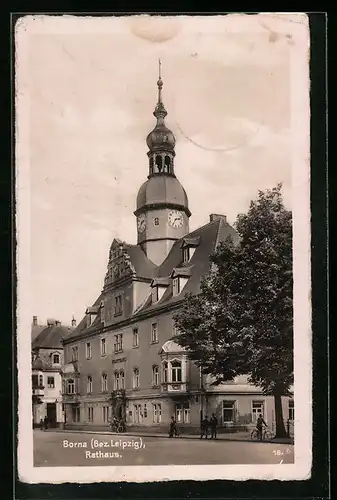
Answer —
(122, 358)
(47, 363)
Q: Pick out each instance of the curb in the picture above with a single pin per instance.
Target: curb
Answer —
(246, 439)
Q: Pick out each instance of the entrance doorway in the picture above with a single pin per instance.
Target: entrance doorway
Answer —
(51, 414)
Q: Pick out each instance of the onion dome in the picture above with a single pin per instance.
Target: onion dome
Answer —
(160, 138)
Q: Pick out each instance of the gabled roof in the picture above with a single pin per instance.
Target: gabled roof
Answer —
(51, 336)
(171, 347)
(83, 324)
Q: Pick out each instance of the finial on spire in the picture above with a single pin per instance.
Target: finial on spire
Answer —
(159, 82)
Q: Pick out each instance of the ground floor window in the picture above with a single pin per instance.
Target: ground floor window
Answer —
(90, 414)
(257, 409)
(228, 411)
(75, 413)
(156, 413)
(137, 414)
(291, 409)
(105, 413)
(183, 413)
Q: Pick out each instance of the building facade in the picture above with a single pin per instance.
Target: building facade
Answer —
(47, 362)
(122, 358)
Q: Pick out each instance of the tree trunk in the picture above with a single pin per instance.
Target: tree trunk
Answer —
(280, 428)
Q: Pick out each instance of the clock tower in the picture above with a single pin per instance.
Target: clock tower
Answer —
(162, 205)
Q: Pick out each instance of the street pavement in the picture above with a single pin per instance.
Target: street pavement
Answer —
(62, 449)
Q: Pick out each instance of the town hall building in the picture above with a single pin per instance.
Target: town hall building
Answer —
(122, 358)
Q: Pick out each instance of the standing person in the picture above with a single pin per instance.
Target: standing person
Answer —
(173, 427)
(213, 424)
(41, 424)
(204, 427)
(45, 423)
(259, 426)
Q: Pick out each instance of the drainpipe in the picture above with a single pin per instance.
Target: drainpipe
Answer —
(201, 395)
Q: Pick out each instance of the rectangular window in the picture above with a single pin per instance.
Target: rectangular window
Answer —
(183, 413)
(75, 411)
(104, 382)
(118, 305)
(154, 333)
(103, 347)
(156, 413)
(90, 414)
(291, 410)
(51, 382)
(135, 338)
(186, 254)
(105, 413)
(176, 286)
(257, 408)
(137, 414)
(88, 350)
(228, 411)
(74, 354)
(89, 384)
(118, 345)
(176, 375)
(35, 381)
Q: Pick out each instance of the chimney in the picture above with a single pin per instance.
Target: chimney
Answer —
(50, 322)
(73, 322)
(214, 217)
(57, 323)
(34, 320)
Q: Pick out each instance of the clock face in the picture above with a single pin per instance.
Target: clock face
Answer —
(141, 223)
(175, 219)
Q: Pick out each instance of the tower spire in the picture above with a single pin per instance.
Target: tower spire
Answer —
(160, 111)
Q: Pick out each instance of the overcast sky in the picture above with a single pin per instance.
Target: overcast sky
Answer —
(91, 89)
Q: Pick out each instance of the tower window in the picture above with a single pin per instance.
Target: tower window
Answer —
(159, 163)
(156, 221)
(167, 163)
(151, 165)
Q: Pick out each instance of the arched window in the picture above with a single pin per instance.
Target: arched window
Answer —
(151, 165)
(104, 382)
(56, 359)
(89, 384)
(159, 163)
(155, 375)
(167, 164)
(122, 379)
(117, 380)
(70, 386)
(136, 378)
(156, 221)
(165, 372)
(176, 371)
(41, 380)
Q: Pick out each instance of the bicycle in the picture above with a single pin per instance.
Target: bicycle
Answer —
(266, 435)
(117, 426)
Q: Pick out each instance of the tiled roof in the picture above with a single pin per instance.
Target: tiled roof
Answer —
(144, 267)
(51, 337)
(36, 329)
(206, 238)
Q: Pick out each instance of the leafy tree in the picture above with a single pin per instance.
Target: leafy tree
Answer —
(241, 322)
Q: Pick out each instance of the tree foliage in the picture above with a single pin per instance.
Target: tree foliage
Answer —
(241, 322)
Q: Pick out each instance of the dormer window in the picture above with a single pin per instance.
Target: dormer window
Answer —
(188, 248)
(176, 286)
(56, 359)
(180, 277)
(159, 286)
(91, 313)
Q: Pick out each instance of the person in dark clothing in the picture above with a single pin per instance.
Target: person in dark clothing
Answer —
(45, 421)
(41, 424)
(259, 426)
(213, 423)
(173, 428)
(204, 428)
